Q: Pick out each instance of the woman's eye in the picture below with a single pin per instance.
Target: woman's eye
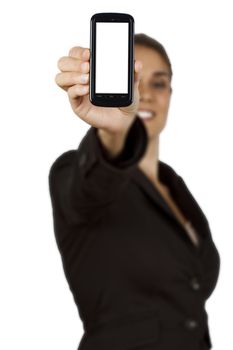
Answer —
(159, 85)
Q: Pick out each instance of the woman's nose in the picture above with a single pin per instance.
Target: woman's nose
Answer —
(145, 94)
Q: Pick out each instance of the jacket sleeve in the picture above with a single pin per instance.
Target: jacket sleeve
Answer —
(83, 182)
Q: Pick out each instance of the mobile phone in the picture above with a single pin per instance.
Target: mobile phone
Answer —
(111, 59)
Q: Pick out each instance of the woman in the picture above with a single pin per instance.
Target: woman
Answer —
(136, 248)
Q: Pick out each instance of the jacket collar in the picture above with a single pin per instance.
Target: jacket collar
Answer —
(179, 191)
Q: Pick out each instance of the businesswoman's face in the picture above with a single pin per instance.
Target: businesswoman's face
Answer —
(155, 90)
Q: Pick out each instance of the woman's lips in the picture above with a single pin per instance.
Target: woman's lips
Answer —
(145, 114)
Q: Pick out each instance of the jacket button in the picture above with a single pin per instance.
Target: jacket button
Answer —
(191, 324)
(194, 283)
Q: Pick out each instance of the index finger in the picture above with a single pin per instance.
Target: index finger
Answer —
(80, 52)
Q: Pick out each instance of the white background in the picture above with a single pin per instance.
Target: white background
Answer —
(37, 310)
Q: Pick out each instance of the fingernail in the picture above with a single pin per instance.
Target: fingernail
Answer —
(84, 65)
(85, 88)
(139, 65)
(84, 78)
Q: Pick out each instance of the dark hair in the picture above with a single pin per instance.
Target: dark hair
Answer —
(145, 40)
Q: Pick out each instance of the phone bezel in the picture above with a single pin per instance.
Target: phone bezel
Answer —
(105, 99)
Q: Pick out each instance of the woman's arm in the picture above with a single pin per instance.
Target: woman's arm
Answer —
(85, 181)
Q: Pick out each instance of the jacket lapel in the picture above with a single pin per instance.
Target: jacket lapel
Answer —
(180, 193)
(150, 190)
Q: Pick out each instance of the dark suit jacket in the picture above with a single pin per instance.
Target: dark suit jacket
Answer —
(137, 279)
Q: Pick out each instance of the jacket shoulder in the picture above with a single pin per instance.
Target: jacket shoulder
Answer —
(62, 160)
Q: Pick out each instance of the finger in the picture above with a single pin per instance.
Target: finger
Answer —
(65, 79)
(71, 64)
(86, 54)
(77, 91)
(79, 52)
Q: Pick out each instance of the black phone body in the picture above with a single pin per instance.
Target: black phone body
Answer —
(111, 59)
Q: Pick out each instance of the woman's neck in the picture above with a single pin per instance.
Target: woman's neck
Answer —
(149, 163)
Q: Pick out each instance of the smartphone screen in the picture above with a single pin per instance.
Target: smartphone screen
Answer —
(112, 59)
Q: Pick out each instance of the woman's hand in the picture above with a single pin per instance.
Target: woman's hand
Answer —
(74, 78)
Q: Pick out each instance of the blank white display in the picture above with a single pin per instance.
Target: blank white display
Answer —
(112, 57)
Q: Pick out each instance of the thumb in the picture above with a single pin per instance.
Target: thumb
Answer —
(132, 108)
(137, 71)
